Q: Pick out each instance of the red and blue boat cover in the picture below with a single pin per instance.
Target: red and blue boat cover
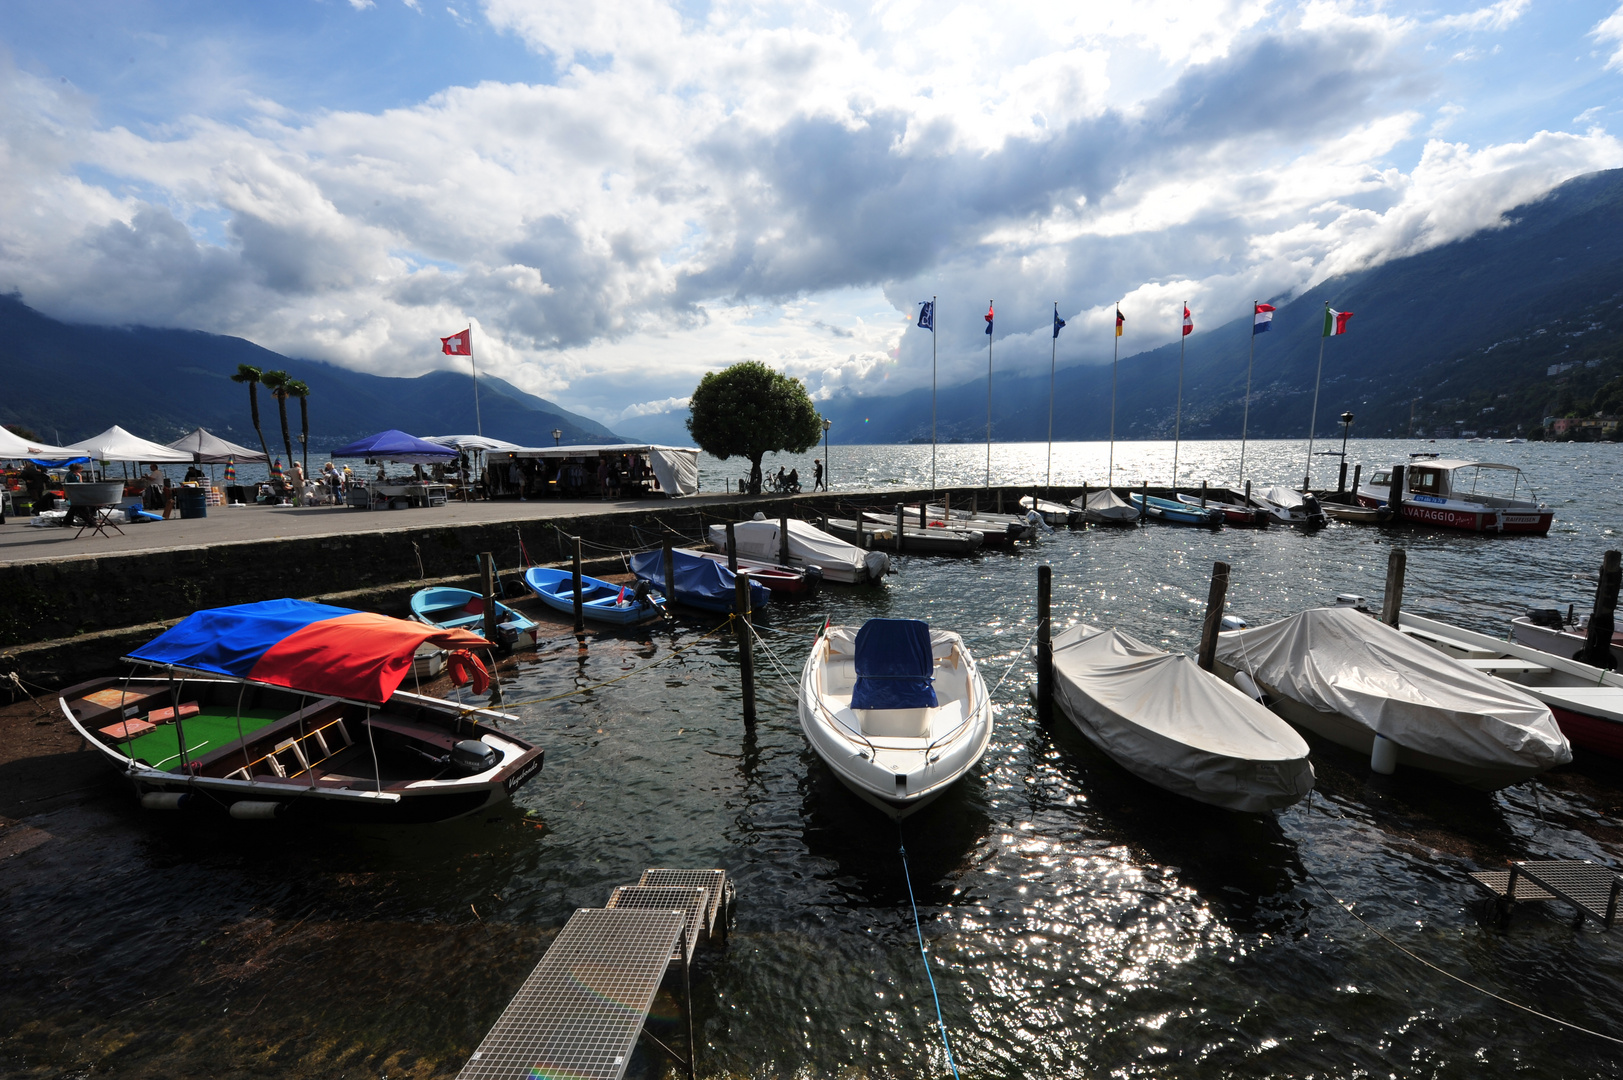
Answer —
(312, 648)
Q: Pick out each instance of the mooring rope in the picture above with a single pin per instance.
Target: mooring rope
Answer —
(1348, 909)
(901, 846)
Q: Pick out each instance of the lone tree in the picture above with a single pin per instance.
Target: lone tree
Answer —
(749, 410)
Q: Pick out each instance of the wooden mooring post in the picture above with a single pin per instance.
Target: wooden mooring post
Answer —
(783, 540)
(580, 613)
(1144, 507)
(1215, 598)
(746, 645)
(732, 549)
(900, 513)
(1045, 644)
(668, 560)
(1392, 599)
(1248, 493)
(487, 589)
(1597, 648)
(1203, 494)
(1358, 474)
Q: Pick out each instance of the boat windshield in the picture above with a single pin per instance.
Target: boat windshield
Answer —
(1493, 481)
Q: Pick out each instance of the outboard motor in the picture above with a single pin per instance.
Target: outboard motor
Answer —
(471, 756)
(1545, 615)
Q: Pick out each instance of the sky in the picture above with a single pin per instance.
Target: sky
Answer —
(621, 195)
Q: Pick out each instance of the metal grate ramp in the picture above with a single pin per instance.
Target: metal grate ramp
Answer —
(712, 881)
(691, 901)
(579, 1013)
(1592, 889)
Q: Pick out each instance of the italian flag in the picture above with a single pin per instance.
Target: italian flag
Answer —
(1335, 322)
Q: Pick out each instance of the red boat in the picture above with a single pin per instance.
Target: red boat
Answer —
(1476, 496)
(797, 582)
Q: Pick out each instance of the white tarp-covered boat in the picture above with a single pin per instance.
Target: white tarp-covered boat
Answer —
(1353, 680)
(1106, 508)
(898, 712)
(808, 546)
(1163, 719)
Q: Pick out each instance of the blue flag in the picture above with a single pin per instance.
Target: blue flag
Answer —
(927, 315)
(1059, 323)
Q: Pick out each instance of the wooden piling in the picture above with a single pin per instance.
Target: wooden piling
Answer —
(1358, 474)
(923, 521)
(974, 503)
(580, 613)
(1144, 507)
(1248, 493)
(732, 549)
(746, 645)
(1045, 645)
(668, 554)
(1392, 600)
(1394, 494)
(1000, 500)
(1341, 481)
(900, 512)
(1203, 494)
(1597, 648)
(1214, 615)
(487, 589)
(1084, 495)
(783, 540)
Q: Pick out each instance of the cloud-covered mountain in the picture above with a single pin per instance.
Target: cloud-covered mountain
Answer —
(71, 381)
(1431, 328)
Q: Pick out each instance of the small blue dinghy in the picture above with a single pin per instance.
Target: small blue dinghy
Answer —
(599, 600)
(462, 609)
(700, 583)
(1176, 513)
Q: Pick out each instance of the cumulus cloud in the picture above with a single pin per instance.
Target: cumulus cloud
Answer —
(777, 183)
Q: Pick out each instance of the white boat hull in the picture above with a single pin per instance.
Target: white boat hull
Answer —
(897, 775)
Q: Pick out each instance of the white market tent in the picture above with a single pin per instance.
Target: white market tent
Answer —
(15, 447)
(209, 449)
(675, 467)
(116, 444)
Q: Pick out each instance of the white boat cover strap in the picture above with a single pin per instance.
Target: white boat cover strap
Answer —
(1342, 661)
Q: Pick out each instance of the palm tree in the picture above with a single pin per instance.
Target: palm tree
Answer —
(297, 388)
(247, 373)
(277, 383)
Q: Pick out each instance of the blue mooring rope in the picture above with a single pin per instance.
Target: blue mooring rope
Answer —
(902, 847)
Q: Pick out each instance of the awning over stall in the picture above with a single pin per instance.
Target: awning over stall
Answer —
(393, 445)
(116, 444)
(675, 467)
(207, 448)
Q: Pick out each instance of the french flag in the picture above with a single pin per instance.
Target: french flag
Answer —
(1263, 320)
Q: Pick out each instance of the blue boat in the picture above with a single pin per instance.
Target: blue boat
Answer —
(1176, 513)
(700, 583)
(462, 609)
(599, 600)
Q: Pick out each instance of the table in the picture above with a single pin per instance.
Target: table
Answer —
(367, 494)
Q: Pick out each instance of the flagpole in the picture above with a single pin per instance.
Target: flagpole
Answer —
(1053, 353)
(1115, 351)
(479, 424)
(989, 326)
(932, 394)
(1245, 422)
(1177, 423)
(1312, 421)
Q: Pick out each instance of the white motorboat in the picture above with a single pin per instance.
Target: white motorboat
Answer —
(1106, 508)
(1587, 702)
(1000, 530)
(1551, 630)
(1287, 506)
(1056, 514)
(896, 710)
(1354, 680)
(1477, 496)
(809, 546)
(1163, 719)
(936, 538)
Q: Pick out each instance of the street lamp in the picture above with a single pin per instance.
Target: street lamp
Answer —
(828, 465)
(557, 436)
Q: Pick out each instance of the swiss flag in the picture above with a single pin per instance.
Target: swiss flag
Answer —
(1188, 323)
(458, 344)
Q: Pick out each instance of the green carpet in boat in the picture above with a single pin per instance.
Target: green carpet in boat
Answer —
(205, 733)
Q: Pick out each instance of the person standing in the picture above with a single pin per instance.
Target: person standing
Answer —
(817, 475)
(151, 497)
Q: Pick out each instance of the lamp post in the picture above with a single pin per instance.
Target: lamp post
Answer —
(1346, 426)
(557, 436)
(828, 465)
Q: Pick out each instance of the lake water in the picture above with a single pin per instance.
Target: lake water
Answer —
(1081, 923)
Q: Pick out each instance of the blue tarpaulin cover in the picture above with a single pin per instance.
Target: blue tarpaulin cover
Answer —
(395, 446)
(701, 583)
(895, 666)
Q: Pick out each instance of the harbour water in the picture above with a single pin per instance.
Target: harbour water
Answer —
(1080, 923)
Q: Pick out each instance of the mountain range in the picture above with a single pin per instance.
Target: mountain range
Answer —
(1493, 332)
(68, 381)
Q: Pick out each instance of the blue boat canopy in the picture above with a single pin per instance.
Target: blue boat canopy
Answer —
(700, 582)
(895, 666)
(393, 445)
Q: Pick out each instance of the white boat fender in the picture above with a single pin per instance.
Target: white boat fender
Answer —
(1248, 686)
(255, 810)
(165, 800)
(1383, 756)
(1233, 622)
